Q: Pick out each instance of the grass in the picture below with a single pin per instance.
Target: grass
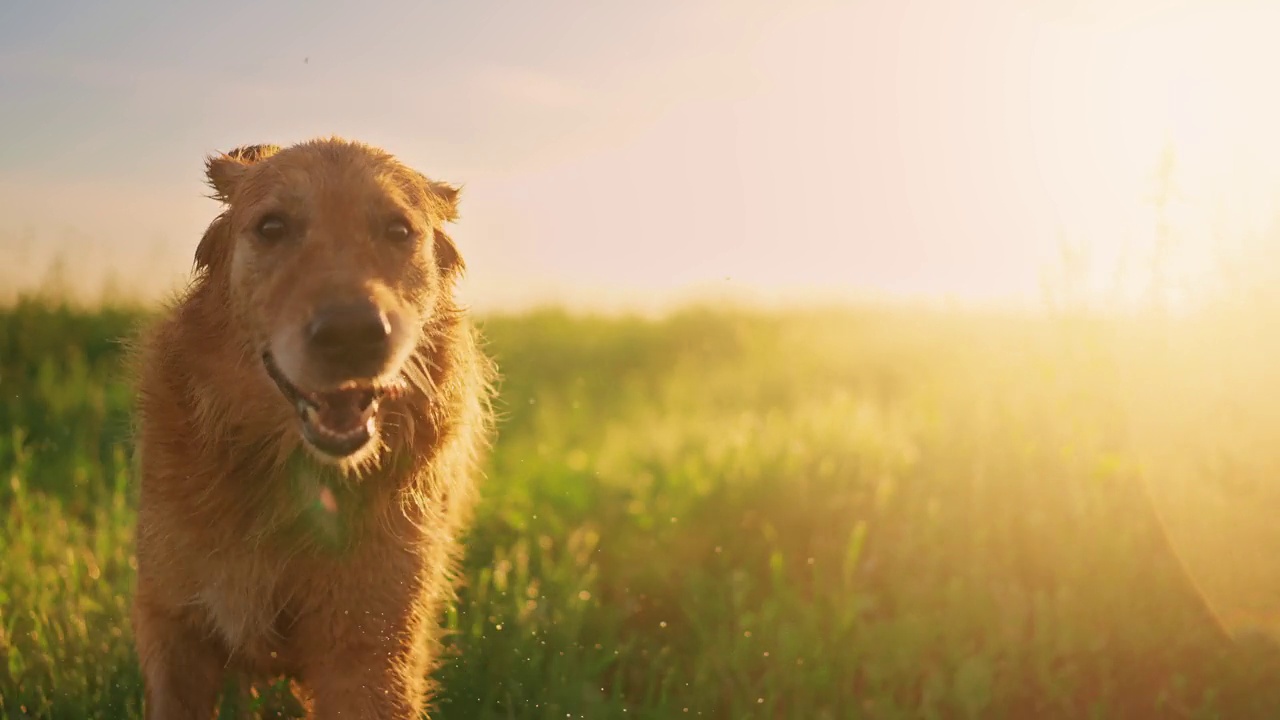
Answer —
(870, 513)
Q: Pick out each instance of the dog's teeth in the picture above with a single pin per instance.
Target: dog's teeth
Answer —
(370, 411)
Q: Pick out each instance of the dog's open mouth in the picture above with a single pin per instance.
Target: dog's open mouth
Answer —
(336, 422)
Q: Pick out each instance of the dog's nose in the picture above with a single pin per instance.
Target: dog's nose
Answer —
(351, 334)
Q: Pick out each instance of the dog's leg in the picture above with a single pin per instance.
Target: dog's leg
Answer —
(182, 668)
(377, 672)
(369, 656)
(367, 685)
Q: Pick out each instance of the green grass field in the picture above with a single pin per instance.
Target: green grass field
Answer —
(869, 513)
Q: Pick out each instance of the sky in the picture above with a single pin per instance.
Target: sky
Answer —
(643, 153)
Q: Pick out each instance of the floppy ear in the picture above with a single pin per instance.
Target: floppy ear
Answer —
(441, 197)
(446, 196)
(443, 201)
(447, 256)
(210, 250)
(225, 171)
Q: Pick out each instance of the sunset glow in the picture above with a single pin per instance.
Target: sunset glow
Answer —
(826, 150)
(908, 358)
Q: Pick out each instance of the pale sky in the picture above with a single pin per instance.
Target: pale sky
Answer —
(639, 151)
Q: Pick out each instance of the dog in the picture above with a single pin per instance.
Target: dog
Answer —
(311, 414)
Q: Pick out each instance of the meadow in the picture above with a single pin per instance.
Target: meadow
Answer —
(857, 513)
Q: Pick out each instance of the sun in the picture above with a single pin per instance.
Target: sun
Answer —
(1179, 132)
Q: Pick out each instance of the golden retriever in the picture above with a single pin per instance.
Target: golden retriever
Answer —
(310, 415)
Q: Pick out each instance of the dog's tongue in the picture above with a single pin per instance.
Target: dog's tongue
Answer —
(344, 410)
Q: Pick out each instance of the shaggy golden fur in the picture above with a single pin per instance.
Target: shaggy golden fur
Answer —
(257, 553)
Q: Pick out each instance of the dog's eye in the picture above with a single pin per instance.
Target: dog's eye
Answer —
(399, 230)
(272, 227)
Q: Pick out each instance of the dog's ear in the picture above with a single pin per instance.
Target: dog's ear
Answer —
(442, 200)
(213, 244)
(441, 197)
(447, 256)
(446, 196)
(224, 171)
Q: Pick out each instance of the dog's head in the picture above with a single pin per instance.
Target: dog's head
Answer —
(333, 261)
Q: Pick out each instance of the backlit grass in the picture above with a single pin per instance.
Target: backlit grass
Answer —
(876, 513)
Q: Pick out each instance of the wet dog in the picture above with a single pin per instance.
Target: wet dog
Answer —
(310, 415)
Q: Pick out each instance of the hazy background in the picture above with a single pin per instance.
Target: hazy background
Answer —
(957, 514)
(639, 152)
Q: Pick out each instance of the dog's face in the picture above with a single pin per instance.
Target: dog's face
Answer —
(334, 261)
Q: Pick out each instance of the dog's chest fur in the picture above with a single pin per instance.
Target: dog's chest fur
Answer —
(244, 599)
(252, 586)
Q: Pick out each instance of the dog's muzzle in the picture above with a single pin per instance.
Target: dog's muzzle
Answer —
(337, 422)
